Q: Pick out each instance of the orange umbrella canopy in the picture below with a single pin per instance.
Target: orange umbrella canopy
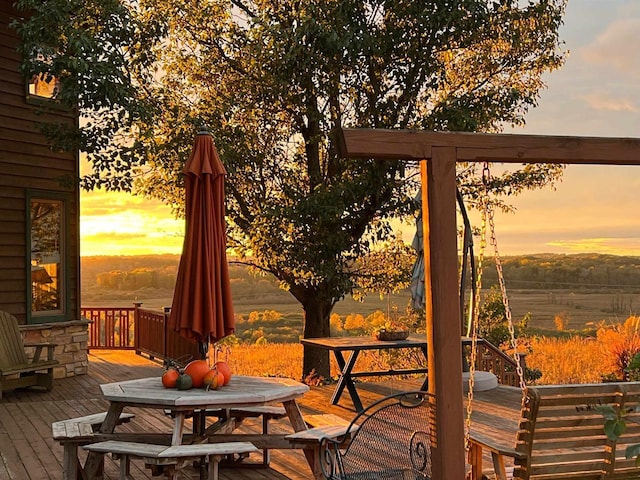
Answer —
(202, 309)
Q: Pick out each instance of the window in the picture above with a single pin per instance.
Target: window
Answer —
(46, 273)
(43, 86)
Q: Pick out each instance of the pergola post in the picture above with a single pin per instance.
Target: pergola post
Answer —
(442, 310)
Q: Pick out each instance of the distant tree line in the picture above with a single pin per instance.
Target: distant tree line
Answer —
(554, 271)
(271, 326)
(539, 271)
(138, 278)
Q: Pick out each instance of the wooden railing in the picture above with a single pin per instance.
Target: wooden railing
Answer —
(140, 329)
(112, 328)
(492, 359)
(146, 331)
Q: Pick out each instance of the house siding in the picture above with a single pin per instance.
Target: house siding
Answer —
(27, 163)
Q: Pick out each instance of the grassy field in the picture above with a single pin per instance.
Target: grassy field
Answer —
(573, 359)
(579, 309)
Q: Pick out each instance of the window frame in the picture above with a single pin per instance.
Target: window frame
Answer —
(59, 315)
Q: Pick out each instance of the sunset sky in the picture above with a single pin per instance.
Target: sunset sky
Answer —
(593, 209)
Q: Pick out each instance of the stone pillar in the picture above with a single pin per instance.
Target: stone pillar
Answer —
(72, 340)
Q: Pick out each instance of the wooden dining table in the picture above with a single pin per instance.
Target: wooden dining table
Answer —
(242, 391)
(357, 344)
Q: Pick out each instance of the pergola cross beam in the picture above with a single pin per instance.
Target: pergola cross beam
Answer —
(438, 153)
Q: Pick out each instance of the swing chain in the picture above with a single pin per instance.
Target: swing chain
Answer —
(486, 175)
(475, 317)
(505, 301)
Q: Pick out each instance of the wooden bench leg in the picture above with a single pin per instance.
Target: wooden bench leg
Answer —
(70, 463)
(498, 466)
(475, 460)
(125, 467)
(214, 464)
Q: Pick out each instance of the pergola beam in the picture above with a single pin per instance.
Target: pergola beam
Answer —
(438, 153)
(473, 147)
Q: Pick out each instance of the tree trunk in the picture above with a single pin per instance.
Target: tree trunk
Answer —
(315, 361)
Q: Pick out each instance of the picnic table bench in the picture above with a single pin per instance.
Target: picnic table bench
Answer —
(74, 432)
(168, 460)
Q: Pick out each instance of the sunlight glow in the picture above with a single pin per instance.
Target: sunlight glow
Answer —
(117, 223)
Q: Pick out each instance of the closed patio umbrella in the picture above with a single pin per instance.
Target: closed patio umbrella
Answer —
(417, 287)
(202, 309)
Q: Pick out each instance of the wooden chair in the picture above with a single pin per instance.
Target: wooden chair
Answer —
(390, 439)
(561, 435)
(16, 370)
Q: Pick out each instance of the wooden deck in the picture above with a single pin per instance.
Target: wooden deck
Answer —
(28, 452)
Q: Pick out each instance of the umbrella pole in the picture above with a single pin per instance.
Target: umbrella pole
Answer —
(203, 347)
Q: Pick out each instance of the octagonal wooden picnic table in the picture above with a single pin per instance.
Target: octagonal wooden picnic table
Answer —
(242, 391)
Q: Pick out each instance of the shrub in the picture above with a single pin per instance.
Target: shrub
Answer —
(566, 360)
(620, 344)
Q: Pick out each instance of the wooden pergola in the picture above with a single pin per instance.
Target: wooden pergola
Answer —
(438, 153)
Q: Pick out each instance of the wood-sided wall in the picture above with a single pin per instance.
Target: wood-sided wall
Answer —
(28, 166)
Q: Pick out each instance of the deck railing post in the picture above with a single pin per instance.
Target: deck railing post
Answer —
(136, 325)
(165, 329)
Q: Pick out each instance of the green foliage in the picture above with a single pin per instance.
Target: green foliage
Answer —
(94, 49)
(385, 270)
(532, 375)
(615, 425)
(275, 81)
(633, 369)
(492, 319)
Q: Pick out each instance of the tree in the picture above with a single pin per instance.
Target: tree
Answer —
(274, 81)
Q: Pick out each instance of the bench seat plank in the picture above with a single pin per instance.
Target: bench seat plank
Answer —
(314, 435)
(147, 450)
(171, 458)
(75, 428)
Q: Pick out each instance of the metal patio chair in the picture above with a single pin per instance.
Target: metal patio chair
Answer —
(389, 440)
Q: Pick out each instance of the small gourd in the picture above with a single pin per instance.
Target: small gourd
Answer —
(184, 382)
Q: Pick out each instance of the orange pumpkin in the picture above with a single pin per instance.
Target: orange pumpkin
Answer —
(225, 369)
(197, 369)
(213, 380)
(169, 377)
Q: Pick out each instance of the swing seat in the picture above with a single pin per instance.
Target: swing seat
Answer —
(482, 381)
(560, 435)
